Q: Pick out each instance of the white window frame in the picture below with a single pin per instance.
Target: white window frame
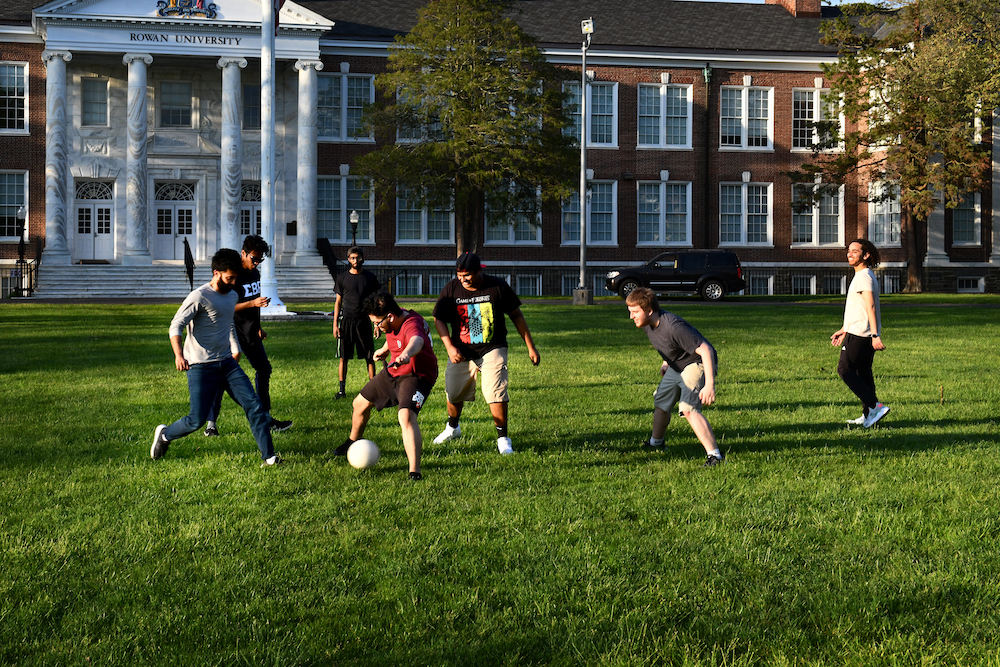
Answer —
(567, 239)
(812, 283)
(409, 276)
(818, 115)
(535, 278)
(342, 79)
(590, 215)
(744, 187)
(345, 212)
(815, 214)
(978, 289)
(27, 90)
(195, 118)
(842, 284)
(424, 218)
(745, 120)
(511, 237)
(977, 222)
(662, 117)
(435, 276)
(661, 233)
(243, 111)
(83, 100)
(888, 208)
(770, 284)
(613, 144)
(24, 202)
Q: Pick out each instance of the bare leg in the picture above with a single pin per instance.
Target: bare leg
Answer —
(413, 441)
(703, 430)
(342, 369)
(499, 413)
(455, 409)
(371, 370)
(661, 419)
(362, 413)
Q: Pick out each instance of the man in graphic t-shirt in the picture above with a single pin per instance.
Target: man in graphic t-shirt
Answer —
(473, 305)
(355, 330)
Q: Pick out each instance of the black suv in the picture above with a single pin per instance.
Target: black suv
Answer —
(711, 273)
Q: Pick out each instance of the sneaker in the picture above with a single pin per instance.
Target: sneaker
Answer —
(711, 461)
(160, 443)
(857, 422)
(339, 395)
(416, 476)
(277, 425)
(342, 450)
(272, 462)
(504, 446)
(211, 431)
(449, 433)
(876, 414)
(647, 445)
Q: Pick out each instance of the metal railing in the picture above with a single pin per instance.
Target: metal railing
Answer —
(21, 279)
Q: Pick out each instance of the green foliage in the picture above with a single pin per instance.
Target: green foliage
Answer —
(816, 544)
(483, 110)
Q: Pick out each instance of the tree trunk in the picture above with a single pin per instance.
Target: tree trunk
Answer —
(910, 233)
(470, 217)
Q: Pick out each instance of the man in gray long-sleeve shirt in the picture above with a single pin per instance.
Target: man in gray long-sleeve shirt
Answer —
(208, 357)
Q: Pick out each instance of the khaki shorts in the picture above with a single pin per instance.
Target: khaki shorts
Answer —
(460, 378)
(681, 389)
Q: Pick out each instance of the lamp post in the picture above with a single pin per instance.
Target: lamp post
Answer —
(354, 227)
(583, 295)
(21, 215)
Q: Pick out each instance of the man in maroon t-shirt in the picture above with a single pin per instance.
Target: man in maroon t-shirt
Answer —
(406, 382)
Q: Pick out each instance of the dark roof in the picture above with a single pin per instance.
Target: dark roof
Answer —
(684, 25)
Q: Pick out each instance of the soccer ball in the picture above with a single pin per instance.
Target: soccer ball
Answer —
(363, 454)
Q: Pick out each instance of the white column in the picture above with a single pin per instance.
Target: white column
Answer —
(995, 248)
(936, 256)
(268, 279)
(232, 151)
(306, 253)
(136, 203)
(56, 168)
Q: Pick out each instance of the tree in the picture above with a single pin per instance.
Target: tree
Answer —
(911, 82)
(481, 114)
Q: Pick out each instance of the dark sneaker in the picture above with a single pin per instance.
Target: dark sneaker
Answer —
(272, 462)
(160, 443)
(648, 446)
(342, 450)
(714, 461)
(211, 431)
(339, 395)
(278, 425)
(416, 476)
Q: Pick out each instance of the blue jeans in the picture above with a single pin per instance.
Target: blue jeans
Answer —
(255, 354)
(205, 381)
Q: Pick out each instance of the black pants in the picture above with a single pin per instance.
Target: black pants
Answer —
(855, 368)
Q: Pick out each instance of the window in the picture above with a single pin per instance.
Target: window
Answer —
(95, 102)
(529, 285)
(599, 287)
(251, 106)
(808, 107)
(13, 97)
(833, 284)
(407, 284)
(883, 215)
(971, 284)
(571, 220)
(889, 283)
(175, 104)
(965, 220)
(664, 213)
(821, 225)
(438, 281)
(602, 110)
(744, 214)
(418, 224)
(603, 218)
(524, 229)
(250, 209)
(429, 129)
(760, 285)
(747, 119)
(341, 102)
(664, 116)
(803, 284)
(336, 198)
(13, 195)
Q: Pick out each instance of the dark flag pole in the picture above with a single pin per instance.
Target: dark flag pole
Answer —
(189, 263)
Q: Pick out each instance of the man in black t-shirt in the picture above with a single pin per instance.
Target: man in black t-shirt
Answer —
(355, 331)
(473, 305)
(251, 337)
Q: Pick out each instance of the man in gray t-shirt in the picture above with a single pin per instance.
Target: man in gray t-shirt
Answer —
(208, 356)
(688, 370)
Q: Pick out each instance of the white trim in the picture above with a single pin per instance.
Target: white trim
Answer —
(815, 214)
(662, 116)
(27, 204)
(769, 243)
(26, 130)
(343, 78)
(745, 119)
(663, 243)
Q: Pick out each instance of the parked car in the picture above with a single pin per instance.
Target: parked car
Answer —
(710, 273)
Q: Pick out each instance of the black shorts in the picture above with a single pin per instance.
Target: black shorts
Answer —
(409, 391)
(356, 341)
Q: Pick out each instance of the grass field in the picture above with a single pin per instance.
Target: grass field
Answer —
(816, 544)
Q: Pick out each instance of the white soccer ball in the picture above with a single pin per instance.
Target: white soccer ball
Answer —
(363, 454)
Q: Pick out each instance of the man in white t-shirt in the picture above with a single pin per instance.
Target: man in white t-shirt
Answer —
(860, 337)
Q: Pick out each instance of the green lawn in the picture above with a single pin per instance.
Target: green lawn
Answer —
(816, 544)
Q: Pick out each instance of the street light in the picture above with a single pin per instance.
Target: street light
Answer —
(21, 215)
(354, 227)
(583, 296)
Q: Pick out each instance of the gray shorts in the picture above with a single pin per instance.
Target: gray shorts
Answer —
(681, 389)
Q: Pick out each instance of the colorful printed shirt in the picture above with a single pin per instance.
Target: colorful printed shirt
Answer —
(477, 317)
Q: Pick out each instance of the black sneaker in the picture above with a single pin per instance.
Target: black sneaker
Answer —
(416, 476)
(277, 425)
(647, 445)
(342, 450)
(714, 461)
(160, 444)
(339, 395)
(211, 431)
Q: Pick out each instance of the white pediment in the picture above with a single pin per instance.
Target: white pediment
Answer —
(221, 12)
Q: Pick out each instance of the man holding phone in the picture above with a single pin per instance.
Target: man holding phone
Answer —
(249, 333)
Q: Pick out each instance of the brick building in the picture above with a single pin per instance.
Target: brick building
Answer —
(696, 110)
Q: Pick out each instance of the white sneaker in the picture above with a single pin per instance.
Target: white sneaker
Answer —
(448, 433)
(875, 414)
(858, 422)
(504, 446)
